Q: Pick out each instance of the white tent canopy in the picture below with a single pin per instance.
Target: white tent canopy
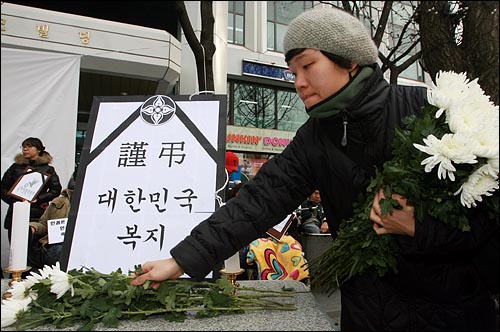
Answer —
(39, 99)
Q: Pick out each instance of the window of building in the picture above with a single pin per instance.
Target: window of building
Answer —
(236, 22)
(80, 139)
(291, 111)
(260, 106)
(279, 15)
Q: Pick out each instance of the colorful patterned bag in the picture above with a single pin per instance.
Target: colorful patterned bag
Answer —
(278, 260)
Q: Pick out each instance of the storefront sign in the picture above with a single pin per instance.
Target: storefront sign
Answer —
(255, 68)
(257, 139)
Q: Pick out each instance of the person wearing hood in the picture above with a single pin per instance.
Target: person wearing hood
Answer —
(353, 114)
(44, 253)
(33, 155)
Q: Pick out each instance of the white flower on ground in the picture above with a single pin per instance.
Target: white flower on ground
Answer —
(20, 290)
(61, 283)
(33, 279)
(12, 308)
(42, 274)
(477, 185)
(443, 152)
(47, 270)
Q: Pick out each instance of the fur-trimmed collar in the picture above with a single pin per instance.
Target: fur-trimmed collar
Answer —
(41, 160)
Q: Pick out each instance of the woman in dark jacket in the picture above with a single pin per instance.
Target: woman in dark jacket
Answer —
(33, 155)
(353, 115)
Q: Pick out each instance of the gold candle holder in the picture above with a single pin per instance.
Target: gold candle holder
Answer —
(231, 276)
(15, 276)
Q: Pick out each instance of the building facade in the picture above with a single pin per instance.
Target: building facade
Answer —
(145, 53)
(124, 59)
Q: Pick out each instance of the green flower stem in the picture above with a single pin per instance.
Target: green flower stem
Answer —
(239, 308)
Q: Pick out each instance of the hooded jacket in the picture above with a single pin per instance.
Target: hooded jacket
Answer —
(49, 191)
(57, 209)
(436, 282)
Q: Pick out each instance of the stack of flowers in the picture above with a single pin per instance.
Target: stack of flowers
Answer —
(88, 297)
(459, 131)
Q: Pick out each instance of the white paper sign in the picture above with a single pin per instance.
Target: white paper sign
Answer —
(151, 169)
(280, 229)
(28, 185)
(56, 230)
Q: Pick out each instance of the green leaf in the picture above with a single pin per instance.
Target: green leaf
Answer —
(112, 317)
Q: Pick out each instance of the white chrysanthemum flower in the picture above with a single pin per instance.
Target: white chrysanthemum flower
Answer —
(61, 283)
(451, 148)
(466, 118)
(33, 279)
(494, 164)
(20, 290)
(450, 89)
(487, 169)
(477, 185)
(42, 274)
(48, 270)
(485, 144)
(494, 116)
(12, 308)
(476, 94)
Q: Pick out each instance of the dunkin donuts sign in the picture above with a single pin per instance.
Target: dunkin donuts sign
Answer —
(257, 139)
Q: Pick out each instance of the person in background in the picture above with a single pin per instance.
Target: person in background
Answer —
(72, 179)
(42, 253)
(33, 155)
(232, 168)
(311, 215)
(353, 112)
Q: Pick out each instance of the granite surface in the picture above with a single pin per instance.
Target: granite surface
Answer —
(308, 316)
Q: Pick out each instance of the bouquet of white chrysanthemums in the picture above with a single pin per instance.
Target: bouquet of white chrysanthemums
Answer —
(473, 138)
(445, 163)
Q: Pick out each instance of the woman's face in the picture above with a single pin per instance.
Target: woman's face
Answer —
(316, 76)
(30, 152)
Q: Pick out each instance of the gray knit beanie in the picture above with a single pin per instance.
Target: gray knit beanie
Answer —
(334, 31)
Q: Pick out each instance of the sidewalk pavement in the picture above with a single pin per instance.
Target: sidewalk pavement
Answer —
(330, 305)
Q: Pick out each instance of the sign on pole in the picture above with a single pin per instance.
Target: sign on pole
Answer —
(151, 169)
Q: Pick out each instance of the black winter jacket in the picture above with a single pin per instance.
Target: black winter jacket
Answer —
(432, 264)
(50, 190)
(314, 159)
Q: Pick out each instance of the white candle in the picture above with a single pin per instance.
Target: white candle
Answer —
(232, 264)
(19, 237)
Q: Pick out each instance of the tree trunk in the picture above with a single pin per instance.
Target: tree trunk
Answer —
(476, 54)
(480, 43)
(207, 42)
(203, 51)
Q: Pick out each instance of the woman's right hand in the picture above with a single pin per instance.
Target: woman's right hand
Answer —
(157, 271)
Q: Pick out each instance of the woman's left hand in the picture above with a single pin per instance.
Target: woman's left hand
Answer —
(396, 222)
